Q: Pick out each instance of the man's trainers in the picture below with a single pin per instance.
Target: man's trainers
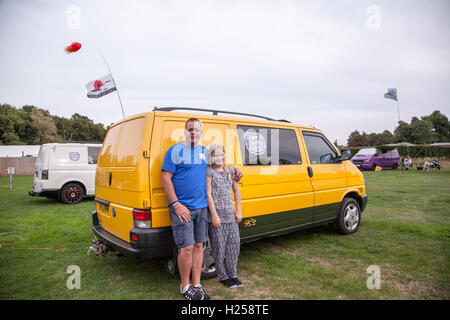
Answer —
(228, 283)
(200, 289)
(237, 282)
(190, 293)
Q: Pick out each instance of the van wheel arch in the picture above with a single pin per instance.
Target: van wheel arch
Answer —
(353, 195)
(79, 194)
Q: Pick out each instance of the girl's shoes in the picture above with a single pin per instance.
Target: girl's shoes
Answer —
(232, 283)
(237, 282)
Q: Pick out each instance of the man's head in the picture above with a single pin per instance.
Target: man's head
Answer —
(192, 131)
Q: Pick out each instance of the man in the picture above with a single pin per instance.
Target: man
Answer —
(184, 181)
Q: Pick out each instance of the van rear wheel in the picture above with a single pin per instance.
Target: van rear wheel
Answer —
(72, 193)
(208, 268)
(349, 216)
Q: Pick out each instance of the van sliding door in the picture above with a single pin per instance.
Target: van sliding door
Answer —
(276, 191)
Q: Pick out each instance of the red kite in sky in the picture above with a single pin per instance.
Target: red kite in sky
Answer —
(74, 47)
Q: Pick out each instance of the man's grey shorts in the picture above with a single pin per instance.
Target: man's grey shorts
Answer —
(187, 233)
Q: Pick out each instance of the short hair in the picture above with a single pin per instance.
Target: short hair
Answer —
(193, 120)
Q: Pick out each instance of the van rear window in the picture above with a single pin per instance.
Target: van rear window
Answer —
(268, 146)
(106, 159)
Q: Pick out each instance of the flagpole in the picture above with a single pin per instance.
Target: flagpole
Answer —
(401, 136)
(109, 69)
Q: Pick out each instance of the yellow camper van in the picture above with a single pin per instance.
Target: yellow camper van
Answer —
(293, 178)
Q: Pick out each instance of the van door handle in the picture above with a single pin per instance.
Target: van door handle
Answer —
(110, 178)
(310, 172)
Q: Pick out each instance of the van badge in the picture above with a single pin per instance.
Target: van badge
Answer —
(74, 156)
(249, 223)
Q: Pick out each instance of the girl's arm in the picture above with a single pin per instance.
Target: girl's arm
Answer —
(237, 198)
(215, 220)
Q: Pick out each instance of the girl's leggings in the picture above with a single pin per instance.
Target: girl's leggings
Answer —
(225, 243)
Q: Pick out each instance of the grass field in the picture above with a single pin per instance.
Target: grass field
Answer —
(404, 230)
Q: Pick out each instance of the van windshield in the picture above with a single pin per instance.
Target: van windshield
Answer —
(367, 152)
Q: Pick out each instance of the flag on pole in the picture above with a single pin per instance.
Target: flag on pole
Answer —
(100, 87)
(391, 94)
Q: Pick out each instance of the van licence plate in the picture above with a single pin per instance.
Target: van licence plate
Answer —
(103, 208)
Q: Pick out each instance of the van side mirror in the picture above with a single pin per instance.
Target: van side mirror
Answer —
(345, 155)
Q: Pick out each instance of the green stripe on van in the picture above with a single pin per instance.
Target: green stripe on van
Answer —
(257, 227)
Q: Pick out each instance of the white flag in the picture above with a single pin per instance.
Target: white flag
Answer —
(102, 86)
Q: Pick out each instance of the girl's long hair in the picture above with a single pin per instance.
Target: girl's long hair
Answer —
(211, 150)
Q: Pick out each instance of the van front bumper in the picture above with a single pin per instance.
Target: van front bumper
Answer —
(152, 243)
(363, 202)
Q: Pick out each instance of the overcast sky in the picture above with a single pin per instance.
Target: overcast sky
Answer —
(321, 63)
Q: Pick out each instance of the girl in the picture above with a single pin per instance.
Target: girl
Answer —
(223, 220)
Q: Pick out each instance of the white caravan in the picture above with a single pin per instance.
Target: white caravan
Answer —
(66, 171)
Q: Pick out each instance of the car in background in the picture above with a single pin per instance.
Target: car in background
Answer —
(370, 158)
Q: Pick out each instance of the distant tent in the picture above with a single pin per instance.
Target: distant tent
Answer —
(441, 144)
(400, 144)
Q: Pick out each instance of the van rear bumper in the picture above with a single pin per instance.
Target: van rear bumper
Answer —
(52, 193)
(152, 243)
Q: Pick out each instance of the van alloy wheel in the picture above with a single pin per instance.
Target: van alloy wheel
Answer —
(349, 217)
(72, 193)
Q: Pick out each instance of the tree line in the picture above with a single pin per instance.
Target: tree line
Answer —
(428, 129)
(31, 125)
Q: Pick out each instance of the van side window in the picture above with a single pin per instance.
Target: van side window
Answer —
(93, 153)
(319, 149)
(268, 146)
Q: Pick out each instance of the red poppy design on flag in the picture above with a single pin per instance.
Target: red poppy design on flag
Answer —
(74, 47)
(97, 85)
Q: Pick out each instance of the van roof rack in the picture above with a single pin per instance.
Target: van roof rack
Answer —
(81, 142)
(216, 112)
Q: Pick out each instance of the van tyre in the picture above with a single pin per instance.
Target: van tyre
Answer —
(72, 193)
(208, 268)
(170, 266)
(349, 216)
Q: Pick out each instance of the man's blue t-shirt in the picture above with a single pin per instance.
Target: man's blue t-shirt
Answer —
(188, 165)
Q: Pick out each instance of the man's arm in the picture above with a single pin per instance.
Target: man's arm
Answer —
(182, 212)
(237, 174)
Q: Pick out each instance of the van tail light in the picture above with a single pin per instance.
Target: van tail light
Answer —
(44, 174)
(142, 218)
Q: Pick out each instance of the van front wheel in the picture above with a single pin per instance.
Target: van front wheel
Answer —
(72, 193)
(349, 217)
